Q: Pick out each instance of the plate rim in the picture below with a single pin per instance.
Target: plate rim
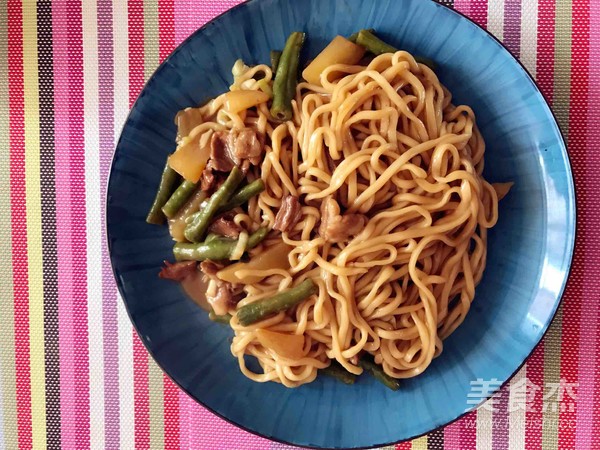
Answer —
(572, 189)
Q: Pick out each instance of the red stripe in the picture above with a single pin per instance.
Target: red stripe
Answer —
(545, 48)
(171, 414)
(533, 415)
(577, 145)
(452, 436)
(404, 446)
(500, 420)
(78, 223)
(593, 255)
(478, 12)
(166, 28)
(19, 221)
(141, 394)
(468, 432)
(135, 21)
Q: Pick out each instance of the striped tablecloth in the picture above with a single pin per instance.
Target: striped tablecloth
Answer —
(73, 372)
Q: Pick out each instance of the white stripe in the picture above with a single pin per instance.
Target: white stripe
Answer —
(484, 429)
(496, 18)
(2, 440)
(126, 398)
(517, 418)
(529, 22)
(93, 196)
(121, 109)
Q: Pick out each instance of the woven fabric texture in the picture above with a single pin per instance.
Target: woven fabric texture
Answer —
(73, 373)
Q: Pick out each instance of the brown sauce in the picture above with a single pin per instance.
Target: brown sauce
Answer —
(195, 287)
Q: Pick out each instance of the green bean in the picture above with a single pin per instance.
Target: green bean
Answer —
(334, 370)
(212, 237)
(224, 319)
(257, 237)
(259, 310)
(164, 191)
(377, 371)
(178, 199)
(373, 44)
(275, 57)
(243, 195)
(189, 219)
(353, 36)
(216, 249)
(286, 77)
(195, 230)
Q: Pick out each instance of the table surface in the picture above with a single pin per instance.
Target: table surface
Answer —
(73, 373)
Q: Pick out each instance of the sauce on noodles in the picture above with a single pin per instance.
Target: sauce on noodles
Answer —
(393, 214)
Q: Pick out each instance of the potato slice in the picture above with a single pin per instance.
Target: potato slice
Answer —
(287, 345)
(339, 51)
(274, 257)
(189, 160)
(236, 101)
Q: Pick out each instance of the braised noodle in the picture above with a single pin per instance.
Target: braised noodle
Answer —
(384, 141)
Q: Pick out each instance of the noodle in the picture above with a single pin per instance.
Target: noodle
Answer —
(385, 142)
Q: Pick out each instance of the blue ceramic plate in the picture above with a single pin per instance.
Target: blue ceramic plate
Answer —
(529, 250)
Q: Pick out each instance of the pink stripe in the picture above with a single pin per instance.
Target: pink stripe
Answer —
(212, 440)
(512, 26)
(184, 420)
(188, 18)
(463, 6)
(479, 11)
(468, 431)
(68, 413)
(109, 293)
(585, 432)
(476, 11)
(500, 420)
(199, 417)
(184, 20)
(78, 224)
(452, 436)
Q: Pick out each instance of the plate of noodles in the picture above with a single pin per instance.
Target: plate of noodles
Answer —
(328, 219)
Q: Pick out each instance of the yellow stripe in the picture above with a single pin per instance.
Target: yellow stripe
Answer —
(420, 444)
(34, 225)
(155, 388)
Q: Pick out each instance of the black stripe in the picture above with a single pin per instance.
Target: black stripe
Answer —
(447, 2)
(46, 100)
(435, 440)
